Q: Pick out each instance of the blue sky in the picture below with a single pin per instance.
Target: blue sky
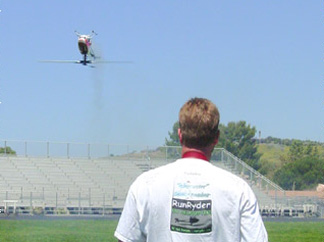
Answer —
(259, 61)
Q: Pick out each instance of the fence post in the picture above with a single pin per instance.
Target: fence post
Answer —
(147, 154)
(276, 198)
(79, 203)
(31, 202)
(56, 198)
(222, 156)
(89, 196)
(89, 155)
(26, 149)
(5, 148)
(68, 150)
(47, 149)
(103, 205)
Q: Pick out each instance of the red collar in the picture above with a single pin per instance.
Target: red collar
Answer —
(194, 154)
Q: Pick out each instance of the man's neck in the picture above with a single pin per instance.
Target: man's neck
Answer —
(204, 151)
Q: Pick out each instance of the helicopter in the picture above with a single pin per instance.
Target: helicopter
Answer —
(86, 50)
(84, 44)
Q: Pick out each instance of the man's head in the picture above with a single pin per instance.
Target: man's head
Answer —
(198, 122)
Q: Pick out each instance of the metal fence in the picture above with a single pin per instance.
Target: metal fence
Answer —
(70, 149)
(272, 198)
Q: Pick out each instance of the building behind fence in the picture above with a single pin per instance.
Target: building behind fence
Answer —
(93, 179)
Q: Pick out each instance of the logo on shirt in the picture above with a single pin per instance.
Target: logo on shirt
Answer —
(191, 208)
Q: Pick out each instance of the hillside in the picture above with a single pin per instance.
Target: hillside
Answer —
(291, 162)
(272, 150)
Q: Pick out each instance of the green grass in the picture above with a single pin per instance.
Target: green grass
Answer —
(295, 231)
(272, 152)
(103, 230)
(57, 230)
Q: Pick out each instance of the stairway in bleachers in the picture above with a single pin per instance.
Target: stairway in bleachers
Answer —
(263, 198)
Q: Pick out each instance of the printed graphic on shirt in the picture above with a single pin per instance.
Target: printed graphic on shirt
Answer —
(191, 206)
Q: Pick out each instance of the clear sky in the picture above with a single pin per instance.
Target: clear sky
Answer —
(259, 61)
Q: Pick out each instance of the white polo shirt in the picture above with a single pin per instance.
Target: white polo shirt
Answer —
(190, 200)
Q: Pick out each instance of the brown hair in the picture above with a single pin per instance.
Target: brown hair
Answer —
(198, 122)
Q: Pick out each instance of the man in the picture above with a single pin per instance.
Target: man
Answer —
(190, 199)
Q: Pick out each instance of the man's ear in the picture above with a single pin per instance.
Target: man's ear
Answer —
(217, 137)
(180, 135)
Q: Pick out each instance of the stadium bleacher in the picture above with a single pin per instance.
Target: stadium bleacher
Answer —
(98, 186)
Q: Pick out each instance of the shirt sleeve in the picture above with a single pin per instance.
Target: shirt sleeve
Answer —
(252, 227)
(128, 228)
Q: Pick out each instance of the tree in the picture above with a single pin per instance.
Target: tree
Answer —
(238, 138)
(304, 173)
(174, 137)
(303, 168)
(296, 151)
(173, 140)
(7, 150)
(299, 150)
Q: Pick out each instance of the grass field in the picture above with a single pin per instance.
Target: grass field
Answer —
(295, 231)
(57, 230)
(102, 230)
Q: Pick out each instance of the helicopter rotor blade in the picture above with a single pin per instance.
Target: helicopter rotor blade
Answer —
(111, 62)
(61, 61)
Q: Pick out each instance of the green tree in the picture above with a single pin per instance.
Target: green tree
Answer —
(296, 151)
(173, 152)
(302, 169)
(238, 138)
(304, 173)
(173, 136)
(299, 150)
(7, 150)
(267, 167)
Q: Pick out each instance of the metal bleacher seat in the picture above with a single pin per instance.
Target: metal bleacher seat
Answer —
(101, 182)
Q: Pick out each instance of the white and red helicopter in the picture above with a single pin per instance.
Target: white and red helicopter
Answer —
(84, 44)
(85, 48)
